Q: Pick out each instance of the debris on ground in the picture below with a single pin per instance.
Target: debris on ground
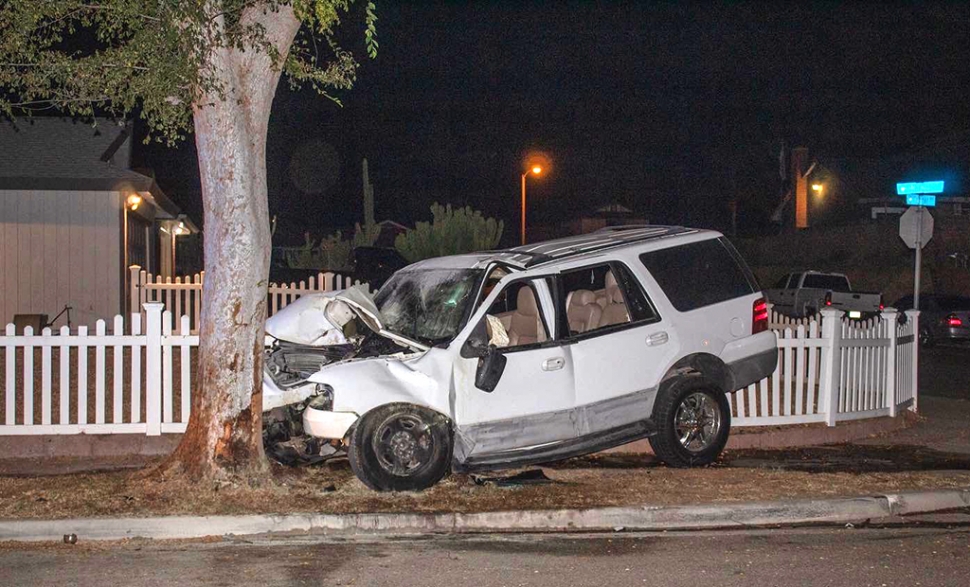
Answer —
(530, 477)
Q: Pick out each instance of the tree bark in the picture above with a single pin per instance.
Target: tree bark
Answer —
(224, 434)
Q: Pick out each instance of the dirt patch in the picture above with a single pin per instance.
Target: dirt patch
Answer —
(595, 481)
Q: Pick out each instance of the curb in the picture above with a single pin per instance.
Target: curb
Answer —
(642, 518)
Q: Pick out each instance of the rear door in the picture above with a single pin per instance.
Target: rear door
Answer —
(620, 359)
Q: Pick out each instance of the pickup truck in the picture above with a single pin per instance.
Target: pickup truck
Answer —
(805, 293)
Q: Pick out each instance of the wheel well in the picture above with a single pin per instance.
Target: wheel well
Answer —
(437, 414)
(707, 365)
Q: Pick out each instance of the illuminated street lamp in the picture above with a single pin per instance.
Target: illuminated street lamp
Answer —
(536, 170)
(818, 188)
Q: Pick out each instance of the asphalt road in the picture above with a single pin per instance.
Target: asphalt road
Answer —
(936, 556)
(944, 371)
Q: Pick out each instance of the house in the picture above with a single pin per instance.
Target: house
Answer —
(73, 215)
(612, 214)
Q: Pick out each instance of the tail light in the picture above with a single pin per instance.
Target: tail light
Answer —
(953, 320)
(828, 299)
(759, 316)
(881, 307)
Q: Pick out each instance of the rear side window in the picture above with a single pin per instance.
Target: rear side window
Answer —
(700, 274)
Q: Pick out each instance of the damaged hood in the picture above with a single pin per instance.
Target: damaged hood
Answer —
(318, 319)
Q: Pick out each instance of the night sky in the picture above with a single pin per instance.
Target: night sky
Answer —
(667, 108)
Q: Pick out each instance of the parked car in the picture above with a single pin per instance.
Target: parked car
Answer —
(529, 355)
(941, 318)
(806, 292)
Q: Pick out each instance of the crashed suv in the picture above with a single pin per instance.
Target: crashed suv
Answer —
(529, 355)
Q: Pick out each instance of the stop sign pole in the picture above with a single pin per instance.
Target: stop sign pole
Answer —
(919, 256)
(916, 225)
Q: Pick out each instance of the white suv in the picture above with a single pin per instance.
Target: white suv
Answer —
(529, 355)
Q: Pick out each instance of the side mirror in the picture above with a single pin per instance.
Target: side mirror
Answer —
(477, 344)
(490, 368)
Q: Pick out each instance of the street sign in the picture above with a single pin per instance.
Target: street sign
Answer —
(916, 229)
(916, 225)
(918, 200)
(922, 187)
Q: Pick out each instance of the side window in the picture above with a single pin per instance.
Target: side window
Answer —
(603, 296)
(699, 274)
(491, 280)
(515, 317)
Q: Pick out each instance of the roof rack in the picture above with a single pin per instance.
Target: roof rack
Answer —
(545, 252)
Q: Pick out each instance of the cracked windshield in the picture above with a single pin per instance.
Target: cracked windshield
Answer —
(428, 305)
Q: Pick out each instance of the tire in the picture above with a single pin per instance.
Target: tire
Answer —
(401, 447)
(674, 415)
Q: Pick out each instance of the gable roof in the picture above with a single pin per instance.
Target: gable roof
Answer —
(53, 153)
(47, 147)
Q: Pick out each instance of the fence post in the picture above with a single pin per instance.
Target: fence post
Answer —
(889, 319)
(831, 363)
(912, 317)
(153, 367)
(134, 283)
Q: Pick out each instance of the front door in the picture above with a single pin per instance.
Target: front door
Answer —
(533, 400)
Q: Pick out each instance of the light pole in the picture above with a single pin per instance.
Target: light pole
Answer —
(536, 170)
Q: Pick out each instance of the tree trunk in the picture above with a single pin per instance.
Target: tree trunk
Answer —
(224, 434)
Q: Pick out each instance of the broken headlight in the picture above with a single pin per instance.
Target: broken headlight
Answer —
(322, 398)
(289, 365)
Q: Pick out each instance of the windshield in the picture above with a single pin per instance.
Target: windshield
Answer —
(430, 305)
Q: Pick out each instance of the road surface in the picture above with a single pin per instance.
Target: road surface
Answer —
(938, 555)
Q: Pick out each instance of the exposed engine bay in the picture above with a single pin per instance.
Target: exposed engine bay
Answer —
(309, 334)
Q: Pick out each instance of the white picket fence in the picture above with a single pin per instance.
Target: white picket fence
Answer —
(834, 371)
(183, 295)
(140, 381)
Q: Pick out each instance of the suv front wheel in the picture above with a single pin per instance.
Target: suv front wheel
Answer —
(400, 447)
(693, 419)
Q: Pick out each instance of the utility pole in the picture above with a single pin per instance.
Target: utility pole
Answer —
(799, 161)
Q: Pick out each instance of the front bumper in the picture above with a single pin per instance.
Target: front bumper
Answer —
(327, 424)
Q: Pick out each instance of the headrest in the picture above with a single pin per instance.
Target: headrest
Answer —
(610, 280)
(616, 295)
(582, 297)
(526, 302)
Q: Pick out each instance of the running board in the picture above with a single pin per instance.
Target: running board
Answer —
(558, 451)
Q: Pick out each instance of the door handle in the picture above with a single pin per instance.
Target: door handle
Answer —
(657, 339)
(553, 364)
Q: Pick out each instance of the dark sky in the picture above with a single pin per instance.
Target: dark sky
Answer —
(668, 108)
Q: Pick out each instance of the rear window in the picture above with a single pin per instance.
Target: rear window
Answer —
(700, 274)
(832, 282)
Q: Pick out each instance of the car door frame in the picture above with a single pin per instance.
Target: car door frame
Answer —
(486, 438)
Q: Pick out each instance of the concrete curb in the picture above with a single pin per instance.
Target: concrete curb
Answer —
(644, 518)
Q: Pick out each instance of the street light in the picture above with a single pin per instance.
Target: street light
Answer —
(818, 188)
(536, 170)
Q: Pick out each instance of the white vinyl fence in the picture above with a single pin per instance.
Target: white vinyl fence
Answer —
(183, 295)
(839, 370)
(115, 381)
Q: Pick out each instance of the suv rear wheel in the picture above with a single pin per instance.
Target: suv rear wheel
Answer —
(693, 421)
(400, 447)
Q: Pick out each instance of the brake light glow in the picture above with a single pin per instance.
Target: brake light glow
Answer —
(953, 320)
(759, 316)
(828, 299)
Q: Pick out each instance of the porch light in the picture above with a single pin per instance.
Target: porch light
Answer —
(133, 201)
